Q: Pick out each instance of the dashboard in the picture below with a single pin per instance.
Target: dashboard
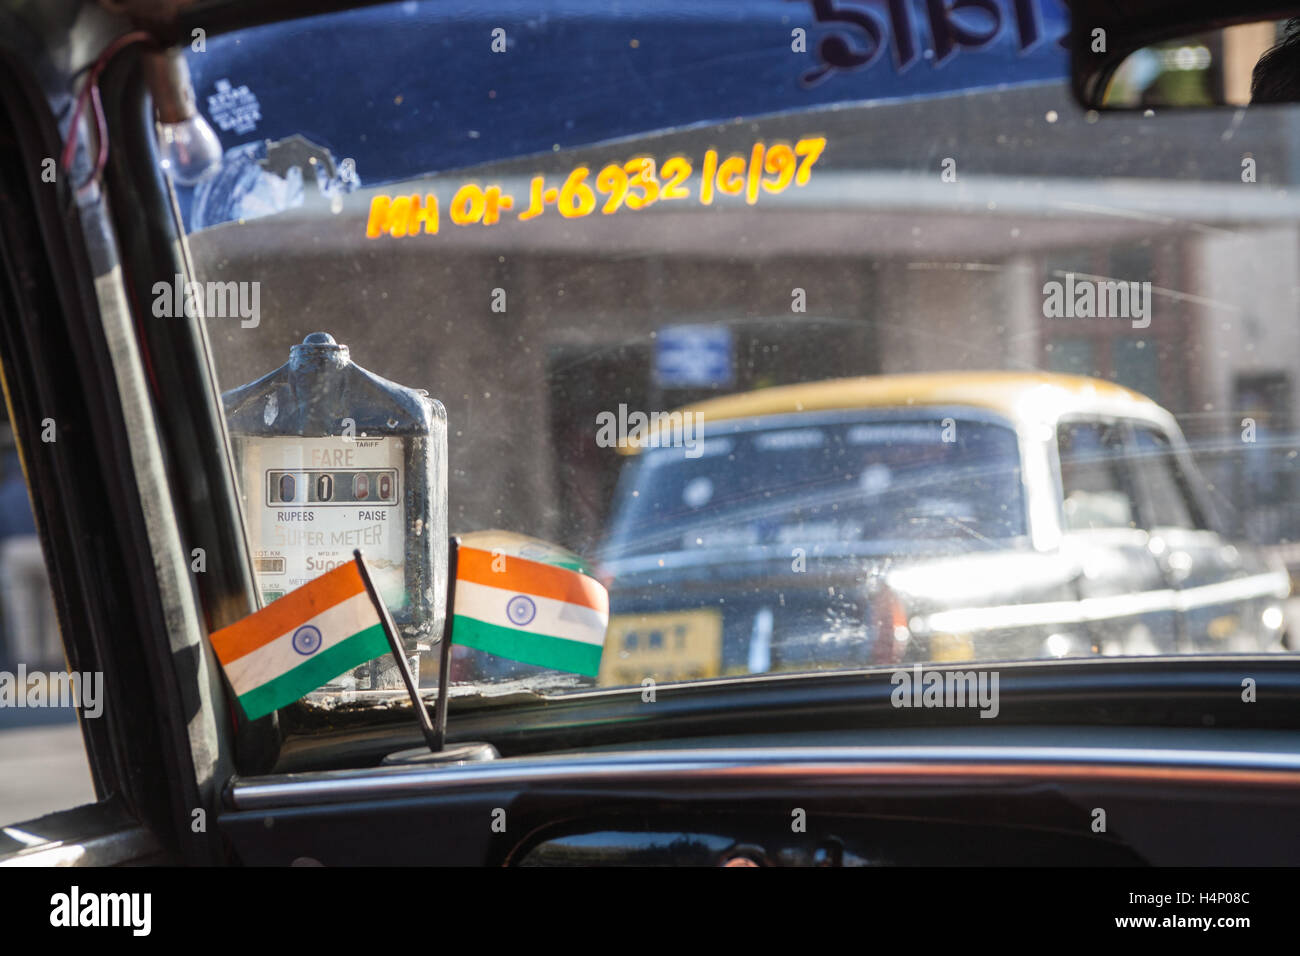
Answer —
(1118, 797)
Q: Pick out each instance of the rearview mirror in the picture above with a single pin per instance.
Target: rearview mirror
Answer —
(1234, 65)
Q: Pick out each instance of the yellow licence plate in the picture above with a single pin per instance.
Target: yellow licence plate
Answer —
(676, 645)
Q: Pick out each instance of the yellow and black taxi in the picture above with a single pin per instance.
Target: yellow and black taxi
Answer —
(922, 517)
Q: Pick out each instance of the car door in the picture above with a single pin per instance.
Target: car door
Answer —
(1220, 589)
(1124, 603)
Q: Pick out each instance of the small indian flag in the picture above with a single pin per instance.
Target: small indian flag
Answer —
(539, 610)
(301, 641)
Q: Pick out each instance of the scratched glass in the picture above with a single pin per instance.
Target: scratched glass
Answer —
(975, 374)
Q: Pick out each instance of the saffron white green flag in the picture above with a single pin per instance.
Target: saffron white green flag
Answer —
(529, 601)
(301, 641)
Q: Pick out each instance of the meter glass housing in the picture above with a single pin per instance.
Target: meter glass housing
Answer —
(330, 458)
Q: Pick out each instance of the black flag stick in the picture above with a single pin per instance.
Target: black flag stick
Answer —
(444, 652)
(434, 740)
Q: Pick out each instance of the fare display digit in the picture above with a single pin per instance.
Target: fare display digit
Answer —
(332, 487)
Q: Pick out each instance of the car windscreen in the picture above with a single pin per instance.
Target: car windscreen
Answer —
(553, 215)
(884, 485)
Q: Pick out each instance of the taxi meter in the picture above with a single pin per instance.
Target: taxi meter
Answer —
(331, 457)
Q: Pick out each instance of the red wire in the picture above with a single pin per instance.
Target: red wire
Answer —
(90, 91)
(101, 137)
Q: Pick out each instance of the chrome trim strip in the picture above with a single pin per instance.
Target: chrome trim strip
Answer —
(1270, 584)
(340, 786)
(127, 846)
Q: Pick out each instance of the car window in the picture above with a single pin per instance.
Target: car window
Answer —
(43, 761)
(894, 485)
(1095, 479)
(1170, 501)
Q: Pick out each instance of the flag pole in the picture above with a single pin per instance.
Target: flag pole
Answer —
(444, 652)
(399, 653)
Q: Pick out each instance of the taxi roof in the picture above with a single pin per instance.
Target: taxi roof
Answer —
(1024, 398)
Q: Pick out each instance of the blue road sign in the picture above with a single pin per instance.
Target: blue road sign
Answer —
(688, 356)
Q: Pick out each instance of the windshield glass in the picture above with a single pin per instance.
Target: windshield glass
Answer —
(866, 486)
(978, 375)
